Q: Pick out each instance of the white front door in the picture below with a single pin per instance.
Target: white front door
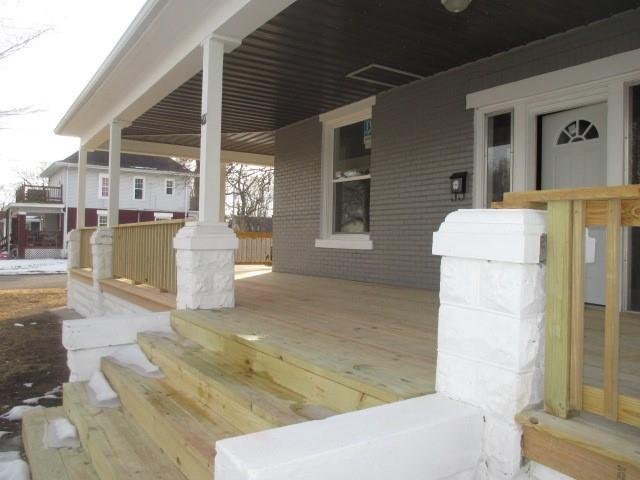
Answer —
(574, 155)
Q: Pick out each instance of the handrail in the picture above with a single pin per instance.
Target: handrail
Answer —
(143, 252)
(570, 211)
(38, 193)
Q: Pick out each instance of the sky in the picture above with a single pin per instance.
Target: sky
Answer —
(51, 72)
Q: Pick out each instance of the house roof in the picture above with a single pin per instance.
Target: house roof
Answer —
(127, 160)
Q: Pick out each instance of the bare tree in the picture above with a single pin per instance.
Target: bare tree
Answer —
(9, 46)
(31, 176)
(6, 197)
(250, 190)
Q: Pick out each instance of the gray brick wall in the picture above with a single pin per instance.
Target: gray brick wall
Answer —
(422, 134)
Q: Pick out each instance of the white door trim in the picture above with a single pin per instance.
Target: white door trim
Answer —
(604, 80)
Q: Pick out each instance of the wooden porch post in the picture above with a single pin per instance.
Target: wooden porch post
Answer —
(22, 234)
(115, 147)
(82, 187)
(558, 317)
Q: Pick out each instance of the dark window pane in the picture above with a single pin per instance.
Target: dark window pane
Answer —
(564, 138)
(634, 293)
(498, 157)
(352, 154)
(592, 133)
(352, 206)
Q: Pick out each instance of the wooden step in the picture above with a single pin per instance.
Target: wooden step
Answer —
(249, 401)
(117, 447)
(178, 425)
(52, 463)
(277, 359)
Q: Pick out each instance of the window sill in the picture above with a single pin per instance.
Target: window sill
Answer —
(346, 242)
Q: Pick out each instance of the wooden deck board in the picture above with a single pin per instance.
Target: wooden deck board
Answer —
(378, 335)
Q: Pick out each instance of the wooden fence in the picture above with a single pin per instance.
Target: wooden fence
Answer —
(255, 248)
(86, 258)
(570, 211)
(143, 252)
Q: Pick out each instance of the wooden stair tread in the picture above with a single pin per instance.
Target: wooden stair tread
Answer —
(117, 447)
(185, 362)
(178, 425)
(52, 463)
(366, 368)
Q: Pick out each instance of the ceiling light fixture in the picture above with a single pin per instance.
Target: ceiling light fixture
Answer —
(455, 6)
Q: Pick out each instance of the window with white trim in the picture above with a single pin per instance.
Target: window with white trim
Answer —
(103, 185)
(169, 186)
(138, 188)
(346, 161)
(103, 219)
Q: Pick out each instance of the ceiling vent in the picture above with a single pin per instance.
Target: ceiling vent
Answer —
(382, 75)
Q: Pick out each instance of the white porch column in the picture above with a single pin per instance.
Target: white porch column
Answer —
(205, 250)
(82, 187)
(211, 131)
(491, 323)
(223, 186)
(115, 147)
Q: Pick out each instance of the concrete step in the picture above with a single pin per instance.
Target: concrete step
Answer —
(52, 463)
(178, 425)
(117, 447)
(249, 401)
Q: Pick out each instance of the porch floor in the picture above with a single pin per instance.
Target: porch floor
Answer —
(380, 335)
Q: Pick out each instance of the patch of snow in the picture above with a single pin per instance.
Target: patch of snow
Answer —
(18, 325)
(32, 267)
(56, 391)
(28, 385)
(60, 433)
(36, 400)
(134, 358)
(33, 323)
(15, 414)
(12, 467)
(3, 433)
(100, 392)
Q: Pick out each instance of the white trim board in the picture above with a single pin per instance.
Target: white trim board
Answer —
(601, 70)
(605, 80)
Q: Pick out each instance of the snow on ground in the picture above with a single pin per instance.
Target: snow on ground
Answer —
(12, 467)
(60, 433)
(15, 414)
(32, 267)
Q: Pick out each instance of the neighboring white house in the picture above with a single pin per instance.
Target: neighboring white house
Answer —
(151, 188)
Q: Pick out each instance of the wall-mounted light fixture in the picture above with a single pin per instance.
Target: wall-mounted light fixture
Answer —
(455, 6)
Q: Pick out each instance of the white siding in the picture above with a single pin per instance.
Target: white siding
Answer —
(154, 199)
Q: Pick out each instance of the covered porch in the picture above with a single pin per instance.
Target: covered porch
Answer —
(281, 80)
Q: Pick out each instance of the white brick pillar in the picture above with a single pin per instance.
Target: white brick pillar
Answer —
(491, 323)
(205, 258)
(73, 249)
(102, 254)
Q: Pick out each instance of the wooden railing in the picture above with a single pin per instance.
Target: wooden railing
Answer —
(254, 248)
(143, 252)
(570, 211)
(38, 194)
(86, 257)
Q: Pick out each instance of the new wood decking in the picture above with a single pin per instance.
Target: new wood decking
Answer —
(375, 334)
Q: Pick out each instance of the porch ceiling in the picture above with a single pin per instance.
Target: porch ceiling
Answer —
(295, 65)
